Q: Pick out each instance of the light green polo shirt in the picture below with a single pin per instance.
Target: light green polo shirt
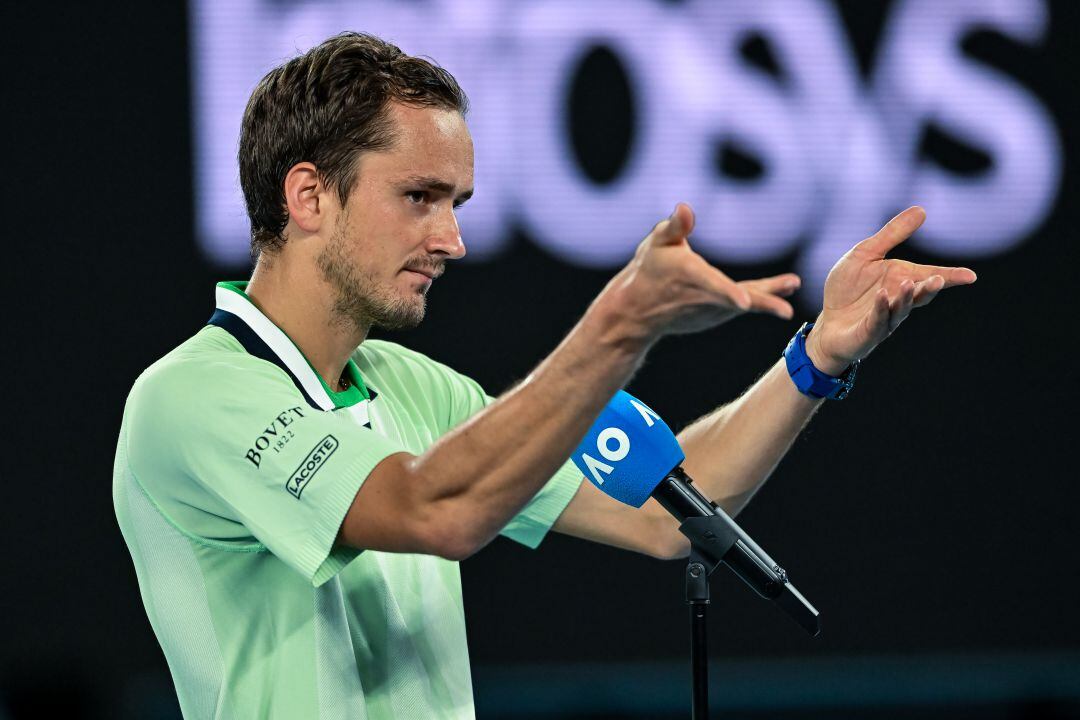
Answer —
(234, 469)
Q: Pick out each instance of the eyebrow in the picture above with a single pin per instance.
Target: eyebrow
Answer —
(431, 183)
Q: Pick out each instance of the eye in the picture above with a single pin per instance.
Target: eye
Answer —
(416, 196)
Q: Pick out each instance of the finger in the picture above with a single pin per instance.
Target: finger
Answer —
(960, 276)
(782, 285)
(926, 290)
(725, 290)
(739, 296)
(675, 228)
(895, 232)
(900, 306)
(768, 303)
(876, 321)
(952, 276)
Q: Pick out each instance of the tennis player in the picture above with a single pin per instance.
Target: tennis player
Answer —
(296, 497)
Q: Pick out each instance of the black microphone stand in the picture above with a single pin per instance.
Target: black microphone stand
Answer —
(697, 597)
(715, 539)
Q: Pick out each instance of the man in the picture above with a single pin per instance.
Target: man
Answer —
(296, 497)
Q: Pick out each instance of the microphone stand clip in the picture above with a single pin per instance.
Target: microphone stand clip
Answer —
(714, 540)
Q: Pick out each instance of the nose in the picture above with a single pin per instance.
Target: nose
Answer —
(445, 237)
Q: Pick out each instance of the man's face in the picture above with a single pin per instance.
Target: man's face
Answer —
(398, 226)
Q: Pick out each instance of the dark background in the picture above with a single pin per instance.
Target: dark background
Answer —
(930, 517)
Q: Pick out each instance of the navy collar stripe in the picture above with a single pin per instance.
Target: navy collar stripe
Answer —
(255, 346)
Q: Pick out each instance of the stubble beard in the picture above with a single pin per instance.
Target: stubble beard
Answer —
(360, 300)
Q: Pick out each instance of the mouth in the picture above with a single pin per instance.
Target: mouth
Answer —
(426, 272)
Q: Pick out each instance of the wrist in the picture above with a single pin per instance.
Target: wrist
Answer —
(613, 323)
(811, 380)
(822, 360)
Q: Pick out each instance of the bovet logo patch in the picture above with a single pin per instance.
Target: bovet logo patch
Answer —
(275, 435)
(310, 465)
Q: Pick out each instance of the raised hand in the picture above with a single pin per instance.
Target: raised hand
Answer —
(867, 295)
(667, 288)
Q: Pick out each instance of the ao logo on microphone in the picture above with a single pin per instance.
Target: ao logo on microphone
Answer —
(837, 153)
(628, 450)
(598, 469)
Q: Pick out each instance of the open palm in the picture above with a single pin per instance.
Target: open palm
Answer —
(867, 295)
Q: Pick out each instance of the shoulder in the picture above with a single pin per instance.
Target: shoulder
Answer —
(206, 397)
(205, 374)
(211, 359)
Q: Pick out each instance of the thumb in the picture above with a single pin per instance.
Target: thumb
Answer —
(676, 228)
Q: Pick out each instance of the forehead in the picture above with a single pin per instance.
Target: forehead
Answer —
(429, 142)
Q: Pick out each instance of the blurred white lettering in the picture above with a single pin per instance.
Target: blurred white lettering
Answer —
(836, 154)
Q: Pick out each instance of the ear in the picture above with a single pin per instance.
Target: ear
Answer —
(305, 197)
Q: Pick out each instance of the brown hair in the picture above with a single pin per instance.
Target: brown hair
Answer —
(326, 107)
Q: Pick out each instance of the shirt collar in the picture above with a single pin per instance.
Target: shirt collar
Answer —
(238, 315)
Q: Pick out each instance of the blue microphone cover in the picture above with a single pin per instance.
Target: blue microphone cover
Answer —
(628, 450)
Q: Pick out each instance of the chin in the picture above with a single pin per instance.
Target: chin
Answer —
(405, 314)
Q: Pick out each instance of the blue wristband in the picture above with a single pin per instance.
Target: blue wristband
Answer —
(807, 378)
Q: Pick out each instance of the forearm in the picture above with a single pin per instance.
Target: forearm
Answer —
(733, 450)
(482, 473)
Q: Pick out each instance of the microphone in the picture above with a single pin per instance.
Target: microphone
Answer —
(631, 455)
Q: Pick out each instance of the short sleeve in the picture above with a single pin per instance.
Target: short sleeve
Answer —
(534, 521)
(227, 446)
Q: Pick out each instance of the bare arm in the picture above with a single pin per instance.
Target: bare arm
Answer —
(729, 454)
(733, 450)
(455, 497)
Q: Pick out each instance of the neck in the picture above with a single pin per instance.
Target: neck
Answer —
(296, 298)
